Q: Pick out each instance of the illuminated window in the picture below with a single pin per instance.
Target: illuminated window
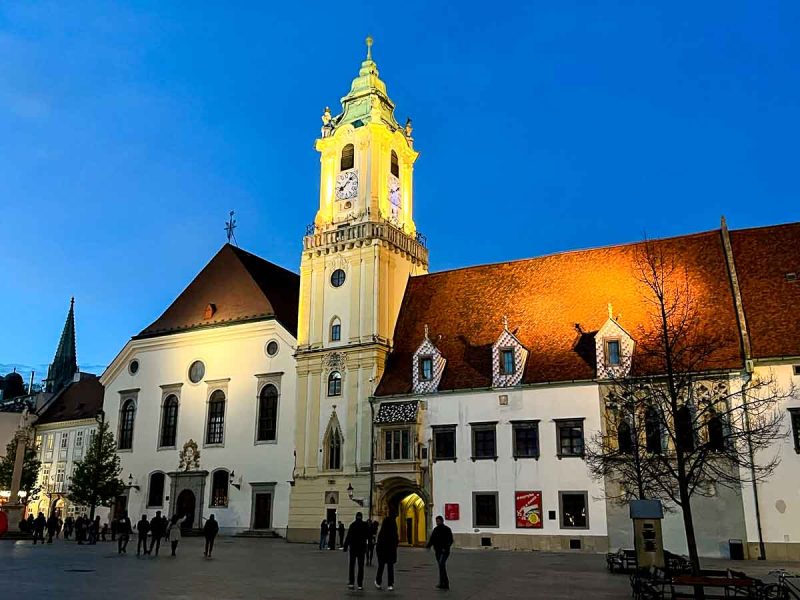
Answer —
(395, 166)
(126, 419)
(215, 428)
(219, 488)
(348, 158)
(64, 439)
(169, 421)
(335, 384)
(267, 414)
(79, 439)
(426, 368)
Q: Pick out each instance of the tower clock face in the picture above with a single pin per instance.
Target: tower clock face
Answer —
(346, 185)
(395, 199)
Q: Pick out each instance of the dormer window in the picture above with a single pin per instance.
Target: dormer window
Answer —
(348, 158)
(426, 368)
(507, 363)
(612, 353)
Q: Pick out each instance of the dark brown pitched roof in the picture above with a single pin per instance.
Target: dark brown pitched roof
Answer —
(79, 400)
(240, 287)
(764, 257)
(554, 304)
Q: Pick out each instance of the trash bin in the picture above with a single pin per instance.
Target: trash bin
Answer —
(736, 549)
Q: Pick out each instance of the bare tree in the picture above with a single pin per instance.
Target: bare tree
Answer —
(678, 421)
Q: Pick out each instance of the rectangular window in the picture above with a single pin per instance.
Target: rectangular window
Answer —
(45, 474)
(64, 439)
(794, 416)
(336, 332)
(444, 442)
(507, 363)
(484, 440)
(79, 439)
(50, 442)
(573, 508)
(525, 439)
(61, 469)
(797, 369)
(397, 444)
(426, 368)
(612, 352)
(216, 422)
(570, 437)
(484, 509)
(39, 442)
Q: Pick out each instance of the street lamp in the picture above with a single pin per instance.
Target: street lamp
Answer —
(131, 483)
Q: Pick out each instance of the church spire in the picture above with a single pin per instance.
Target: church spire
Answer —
(65, 362)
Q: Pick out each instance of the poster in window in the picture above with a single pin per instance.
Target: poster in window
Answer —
(451, 512)
(528, 507)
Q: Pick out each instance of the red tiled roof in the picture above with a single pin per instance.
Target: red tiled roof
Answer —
(554, 304)
(764, 256)
(241, 287)
(79, 400)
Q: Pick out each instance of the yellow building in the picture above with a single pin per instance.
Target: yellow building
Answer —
(356, 261)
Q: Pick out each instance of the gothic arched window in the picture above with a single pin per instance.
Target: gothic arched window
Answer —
(126, 418)
(155, 489)
(219, 488)
(215, 427)
(395, 165)
(267, 414)
(624, 437)
(335, 384)
(333, 447)
(169, 421)
(652, 431)
(348, 160)
(716, 432)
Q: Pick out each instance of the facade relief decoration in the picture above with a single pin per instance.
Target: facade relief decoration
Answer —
(189, 457)
(336, 361)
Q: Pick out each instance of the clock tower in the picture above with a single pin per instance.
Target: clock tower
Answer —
(357, 258)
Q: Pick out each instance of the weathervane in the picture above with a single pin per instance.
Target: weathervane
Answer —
(229, 227)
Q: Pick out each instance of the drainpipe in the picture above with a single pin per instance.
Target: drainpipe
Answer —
(762, 552)
(371, 452)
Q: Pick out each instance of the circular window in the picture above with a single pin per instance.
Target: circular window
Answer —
(133, 367)
(337, 278)
(272, 348)
(196, 371)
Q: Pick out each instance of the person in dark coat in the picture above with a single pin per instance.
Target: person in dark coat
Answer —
(38, 528)
(158, 528)
(52, 527)
(69, 525)
(210, 531)
(356, 542)
(124, 530)
(79, 529)
(94, 530)
(386, 549)
(332, 535)
(373, 532)
(341, 534)
(114, 527)
(441, 540)
(104, 532)
(142, 529)
(30, 521)
(323, 534)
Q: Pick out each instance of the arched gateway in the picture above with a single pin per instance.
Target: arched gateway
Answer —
(411, 504)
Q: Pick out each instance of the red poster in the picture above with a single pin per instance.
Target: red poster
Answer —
(451, 512)
(528, 507)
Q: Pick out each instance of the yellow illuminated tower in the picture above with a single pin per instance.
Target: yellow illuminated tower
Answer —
(357, 258)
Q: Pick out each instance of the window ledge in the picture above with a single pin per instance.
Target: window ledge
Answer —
(265, 442)
(560, 456)
(124, 449)
(222, 445)
(534, 457)
(162, 448)
(474, 458)
(444, 459)
(221, 506)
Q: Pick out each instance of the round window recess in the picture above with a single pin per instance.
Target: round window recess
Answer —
(272, 348)
(133, 367)
(196, 371)
(337, 278)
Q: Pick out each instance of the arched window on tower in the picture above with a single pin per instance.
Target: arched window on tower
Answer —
(395, 165)
(348, 159)
(684, 433)
(333, 446)
(716, 432)
(169, 422)
(624, 437)
(335, 384)
(126, 418)
(652, 431)
(336, 329)
(219, 488)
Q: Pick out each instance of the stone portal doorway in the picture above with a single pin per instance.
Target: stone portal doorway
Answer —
(261, 505)
(185, 506)
(411, 521)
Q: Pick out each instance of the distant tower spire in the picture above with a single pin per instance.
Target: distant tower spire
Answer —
(65, 363)
(229, 227)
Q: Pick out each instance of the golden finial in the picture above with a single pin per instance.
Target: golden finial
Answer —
(369, 47)
(610, 311)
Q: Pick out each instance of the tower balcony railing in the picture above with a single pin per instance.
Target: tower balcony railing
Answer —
(317, 238)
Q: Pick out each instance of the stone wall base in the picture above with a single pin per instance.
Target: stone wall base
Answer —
(299, 535)
(775, 550)
(547, 543)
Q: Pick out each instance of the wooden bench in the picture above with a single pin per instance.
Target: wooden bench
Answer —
(718, 586)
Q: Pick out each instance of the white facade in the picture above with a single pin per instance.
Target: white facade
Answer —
(238, 365)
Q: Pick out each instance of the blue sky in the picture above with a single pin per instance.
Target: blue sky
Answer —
(127, 133)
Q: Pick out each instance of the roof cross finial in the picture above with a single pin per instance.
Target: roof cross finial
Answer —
(426, 331)
(610, 311)
(229, 227)
(369, 47)
(505, 322)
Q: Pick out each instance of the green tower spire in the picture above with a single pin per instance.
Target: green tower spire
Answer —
(65, 363)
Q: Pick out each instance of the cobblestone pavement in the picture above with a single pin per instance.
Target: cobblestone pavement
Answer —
(273, 569)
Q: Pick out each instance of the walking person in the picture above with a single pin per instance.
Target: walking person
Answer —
(69, 525)
(104, 532)
(332, 535)
(210, 531)
(174, 534)
(94, 530)
(114, 527)
(52, 527)
(157, 531)
(142, 529)
(323, 534)
(341, 534)
(79, 528)
(441, 540)
(38, 528)
(373, 532)
(386, 549)
(59, 527)
(124, 530)
(356, 542)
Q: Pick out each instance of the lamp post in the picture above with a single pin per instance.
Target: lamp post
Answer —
(100, 417)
